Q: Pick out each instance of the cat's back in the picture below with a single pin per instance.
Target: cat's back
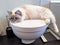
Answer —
(36, 11)
(32, 7)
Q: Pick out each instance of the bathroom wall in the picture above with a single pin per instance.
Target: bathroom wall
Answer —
(55, 8)
(45, 3)
(6, 5)
(17, 3)
(3, 10)
(55, 0)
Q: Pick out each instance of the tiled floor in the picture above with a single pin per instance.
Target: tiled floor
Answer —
(15, 41)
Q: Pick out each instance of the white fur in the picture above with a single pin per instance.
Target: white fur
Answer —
(23, 12)
(48, 14)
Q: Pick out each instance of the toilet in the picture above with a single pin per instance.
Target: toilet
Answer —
(29, 30)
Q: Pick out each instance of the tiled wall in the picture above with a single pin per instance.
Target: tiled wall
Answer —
(55, 7)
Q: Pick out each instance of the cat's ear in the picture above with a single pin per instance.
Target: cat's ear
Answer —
(9, 12)
(18, 12)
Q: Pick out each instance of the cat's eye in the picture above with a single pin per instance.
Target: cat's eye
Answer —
(12, 17)
(16, 18)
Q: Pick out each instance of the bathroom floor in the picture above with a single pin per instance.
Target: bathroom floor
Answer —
(16, 41)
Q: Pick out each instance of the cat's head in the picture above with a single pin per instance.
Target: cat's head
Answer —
(15, 16)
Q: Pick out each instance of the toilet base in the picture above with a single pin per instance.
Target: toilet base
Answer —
(27, 41)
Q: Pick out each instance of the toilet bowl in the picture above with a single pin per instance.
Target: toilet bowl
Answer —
(28, 31)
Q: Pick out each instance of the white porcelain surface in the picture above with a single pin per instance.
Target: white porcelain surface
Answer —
(29, 30)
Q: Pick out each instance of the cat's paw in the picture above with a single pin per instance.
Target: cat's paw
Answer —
(47, 21)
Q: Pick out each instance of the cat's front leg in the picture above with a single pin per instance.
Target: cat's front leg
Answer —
(53, 24)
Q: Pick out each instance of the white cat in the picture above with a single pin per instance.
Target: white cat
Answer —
(32, 12)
